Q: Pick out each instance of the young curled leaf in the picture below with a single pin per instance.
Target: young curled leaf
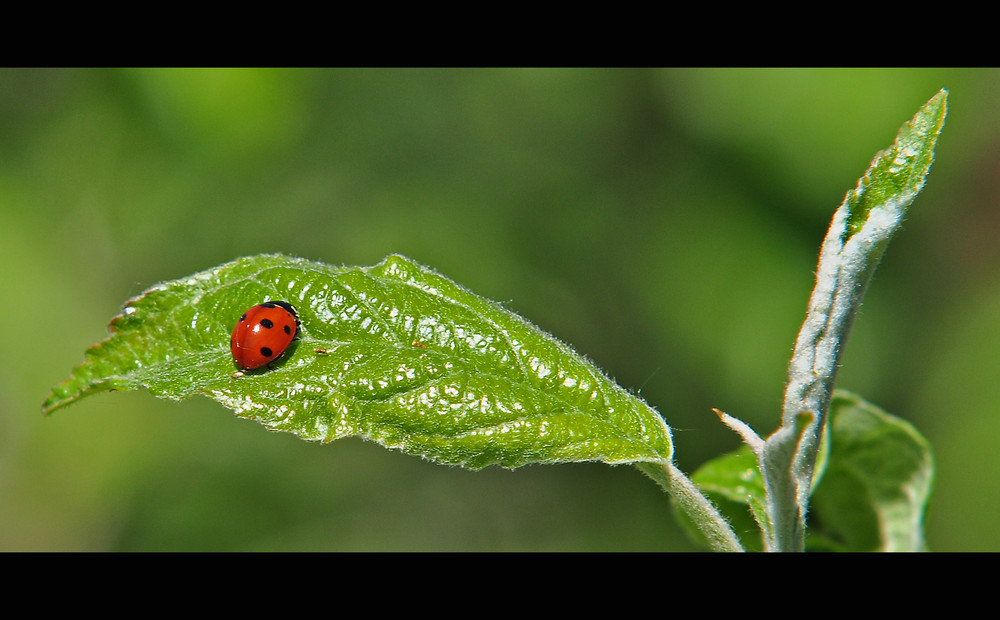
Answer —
(395, 353)
(858, 236)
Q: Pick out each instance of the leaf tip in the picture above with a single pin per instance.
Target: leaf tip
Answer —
(898, 173)
(940, 97)
(54, 401)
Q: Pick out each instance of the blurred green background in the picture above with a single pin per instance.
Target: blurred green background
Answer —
(665, 223)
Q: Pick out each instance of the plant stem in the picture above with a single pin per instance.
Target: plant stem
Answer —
(700, 512)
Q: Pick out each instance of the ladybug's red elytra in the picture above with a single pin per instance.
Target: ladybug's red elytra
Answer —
(263, 333)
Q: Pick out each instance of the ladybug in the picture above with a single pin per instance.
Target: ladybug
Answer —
(263, 333)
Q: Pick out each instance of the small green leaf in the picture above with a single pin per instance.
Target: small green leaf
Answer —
(395, 353)
(877, 482)
(734, 484)
(898, 173)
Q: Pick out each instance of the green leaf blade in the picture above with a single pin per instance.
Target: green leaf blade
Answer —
(877, 482)
(395, 353)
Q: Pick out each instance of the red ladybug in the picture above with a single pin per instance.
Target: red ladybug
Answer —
(263, 333)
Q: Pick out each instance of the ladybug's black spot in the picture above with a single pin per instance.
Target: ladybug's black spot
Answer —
(244, 317)
(288, 330)
(266, 351)
(268, 323)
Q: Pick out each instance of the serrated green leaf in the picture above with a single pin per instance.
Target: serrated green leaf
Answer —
(395, 353)
(877, 483)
